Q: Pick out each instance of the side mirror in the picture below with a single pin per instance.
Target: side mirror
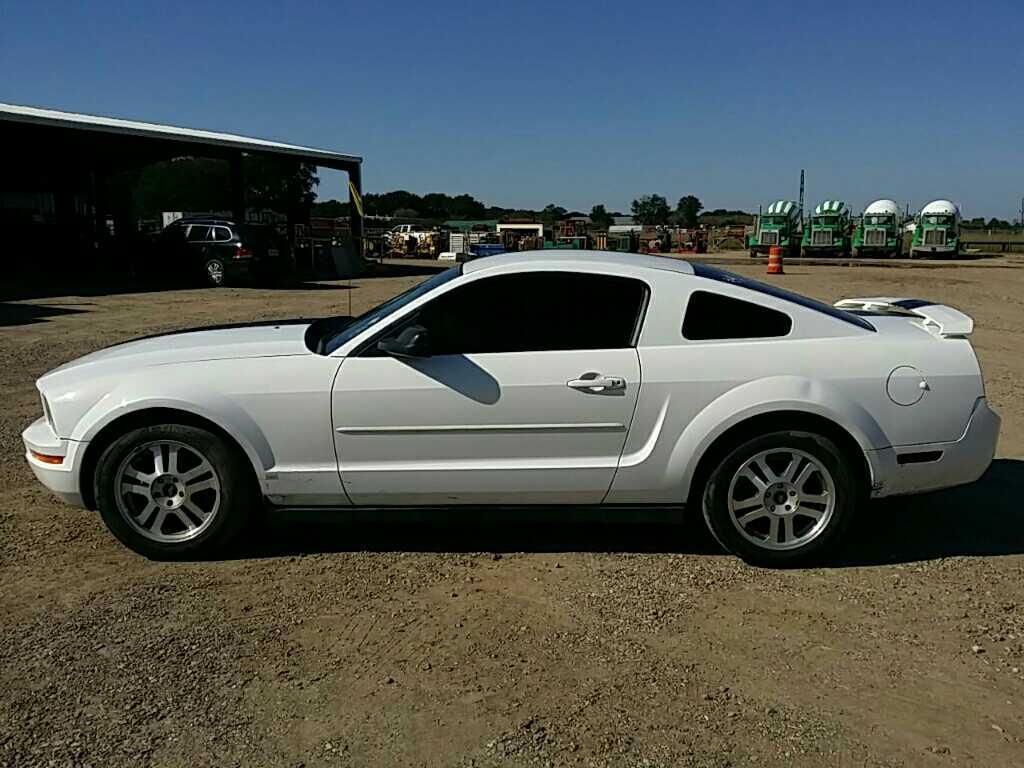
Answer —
(413, 341)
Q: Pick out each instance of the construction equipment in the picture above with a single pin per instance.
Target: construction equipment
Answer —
(880, 231)
(775, 260)
(937, 230)
(406, 241)
(828, 231)
(780, 226)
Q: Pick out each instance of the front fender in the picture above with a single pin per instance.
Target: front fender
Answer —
(211, 406)
(763, 396)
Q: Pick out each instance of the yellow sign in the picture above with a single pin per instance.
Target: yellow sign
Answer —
(356, 198)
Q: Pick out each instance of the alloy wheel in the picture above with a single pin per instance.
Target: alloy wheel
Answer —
(168, 491)
(781, 499)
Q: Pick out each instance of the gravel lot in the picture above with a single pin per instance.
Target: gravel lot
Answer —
(542, 641)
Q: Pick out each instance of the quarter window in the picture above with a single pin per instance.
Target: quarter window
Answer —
(715, 316)
(536, 311)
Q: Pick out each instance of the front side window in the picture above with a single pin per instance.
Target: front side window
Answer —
(715, 316)
(377, 314)
(535, 312)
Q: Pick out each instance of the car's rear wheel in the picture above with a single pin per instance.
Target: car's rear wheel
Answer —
(784, 498)
(174, 491)
(215, 272)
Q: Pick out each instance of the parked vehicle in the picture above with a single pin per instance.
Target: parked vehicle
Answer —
(938, 230)
(497, 383)
(216, 251)
(414, 242)
(778, 225)
(880, 231)
(828, 231)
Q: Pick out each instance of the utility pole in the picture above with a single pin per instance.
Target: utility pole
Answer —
(1022, 214)
(802, 197)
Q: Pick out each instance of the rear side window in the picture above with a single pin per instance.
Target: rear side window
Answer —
(536, 311)
(711, 273)
(198, 233)
(221, 234)
(714, 316)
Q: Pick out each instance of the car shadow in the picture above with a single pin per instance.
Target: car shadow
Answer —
(983, 519)
(30, 314)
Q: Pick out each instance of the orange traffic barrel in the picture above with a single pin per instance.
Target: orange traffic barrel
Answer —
(775, 260)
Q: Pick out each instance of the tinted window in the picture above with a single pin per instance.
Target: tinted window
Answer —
(536, 311)
(714, 316)
(221, 234)
(198, 232)
(721, 275)
(381, 311)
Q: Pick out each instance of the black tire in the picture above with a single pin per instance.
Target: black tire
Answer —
(239, 498)
(214, 272)
(847, 496)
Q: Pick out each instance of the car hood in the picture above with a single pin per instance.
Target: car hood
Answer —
(266, 339)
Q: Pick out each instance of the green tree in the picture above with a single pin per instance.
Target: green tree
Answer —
(552, 213)
(650, 209)
(600, 216)
(688, 209)
(331, 209)
(204, 184)
(280, 184)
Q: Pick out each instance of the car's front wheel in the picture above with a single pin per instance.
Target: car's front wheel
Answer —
(784, 498)
(174, 491)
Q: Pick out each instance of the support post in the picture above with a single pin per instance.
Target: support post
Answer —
(237, 189)
(355, 216)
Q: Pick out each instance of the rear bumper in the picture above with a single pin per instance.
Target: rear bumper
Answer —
(62, 478)
(238, 268)
(931, 466)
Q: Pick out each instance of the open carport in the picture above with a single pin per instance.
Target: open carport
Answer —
(66, 191)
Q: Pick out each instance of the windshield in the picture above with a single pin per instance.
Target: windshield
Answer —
(378, 313)
(940, 220)
(774, 221)
(825, 221)
(703, 270)
(878, 220)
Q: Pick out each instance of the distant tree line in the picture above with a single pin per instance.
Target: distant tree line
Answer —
(978, 222)
(648, 209)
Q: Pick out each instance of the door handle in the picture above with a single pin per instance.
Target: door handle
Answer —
(595, 382)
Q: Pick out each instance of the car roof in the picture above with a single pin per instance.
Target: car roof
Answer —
(202, 220)
(578, 257)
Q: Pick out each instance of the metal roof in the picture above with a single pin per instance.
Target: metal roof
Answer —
(58, 119)
(571, 256)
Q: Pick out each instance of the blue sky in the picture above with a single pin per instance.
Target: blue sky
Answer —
(522, 104)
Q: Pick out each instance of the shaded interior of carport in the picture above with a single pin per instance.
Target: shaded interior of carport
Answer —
(66, 175)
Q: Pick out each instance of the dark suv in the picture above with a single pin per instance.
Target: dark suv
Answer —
(219, 251)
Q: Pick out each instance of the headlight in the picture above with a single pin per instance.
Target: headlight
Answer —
(46, 413)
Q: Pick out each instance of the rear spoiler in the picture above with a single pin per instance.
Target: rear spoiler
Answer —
(938, 318)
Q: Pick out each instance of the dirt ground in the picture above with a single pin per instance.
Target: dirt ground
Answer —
(548, 641)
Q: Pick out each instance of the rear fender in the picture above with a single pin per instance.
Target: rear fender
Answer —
(772, 395)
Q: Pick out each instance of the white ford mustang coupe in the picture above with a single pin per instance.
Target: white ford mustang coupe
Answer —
(536, 378)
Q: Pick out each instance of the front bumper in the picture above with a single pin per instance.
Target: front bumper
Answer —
(946, 464)
(948, 248)
(62, 478)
